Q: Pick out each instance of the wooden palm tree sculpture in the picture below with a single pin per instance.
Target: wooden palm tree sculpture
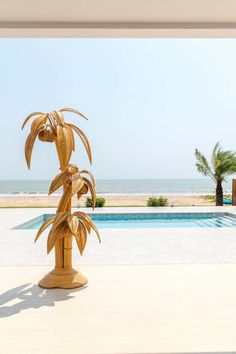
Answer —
(51, 127)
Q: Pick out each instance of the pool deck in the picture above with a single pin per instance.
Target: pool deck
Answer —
(149, 291)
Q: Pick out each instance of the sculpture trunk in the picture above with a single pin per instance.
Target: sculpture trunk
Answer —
(63, 249)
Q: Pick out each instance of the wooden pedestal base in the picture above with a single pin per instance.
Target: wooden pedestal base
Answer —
(65, 278)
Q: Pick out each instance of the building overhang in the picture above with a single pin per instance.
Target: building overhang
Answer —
(117, 18)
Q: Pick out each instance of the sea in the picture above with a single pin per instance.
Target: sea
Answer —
(105, 187)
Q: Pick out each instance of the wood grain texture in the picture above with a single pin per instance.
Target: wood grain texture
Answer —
(51, 127)
(64, 278)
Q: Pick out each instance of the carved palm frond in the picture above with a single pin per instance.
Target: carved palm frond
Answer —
(81, 237)
(29, 116)
(64, 145)
(56, 234)
(73, 223)
(65, 224)
(72, 110)
(59, 180)
(60, 217)
(86, 220)
(84, 140)
(29, 144)
(80, 224)
(44, 226)
(58, 116)
(90, 175)
(51, 127)
(90, 185)
(79, 184)
(70, 131)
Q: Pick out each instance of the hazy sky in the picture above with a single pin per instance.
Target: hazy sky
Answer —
(150, 102)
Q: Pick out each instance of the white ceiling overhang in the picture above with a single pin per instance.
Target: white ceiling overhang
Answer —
(118, 18)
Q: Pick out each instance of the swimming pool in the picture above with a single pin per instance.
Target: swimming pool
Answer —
(149, 220)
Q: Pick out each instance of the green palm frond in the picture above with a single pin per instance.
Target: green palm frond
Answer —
(202, 165)
(215, 151)
(223, 163)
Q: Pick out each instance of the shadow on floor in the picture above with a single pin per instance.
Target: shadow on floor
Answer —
(31, 296)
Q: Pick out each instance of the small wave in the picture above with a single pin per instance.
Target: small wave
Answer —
(27, 194)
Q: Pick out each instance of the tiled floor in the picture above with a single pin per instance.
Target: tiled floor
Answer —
(137, 300)
(124, 309)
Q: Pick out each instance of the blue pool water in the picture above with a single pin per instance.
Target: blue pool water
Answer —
(149, 220)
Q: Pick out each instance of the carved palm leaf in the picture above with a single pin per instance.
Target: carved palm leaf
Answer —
(92, 191)
(29, 116)
(86, 219)
(64, 146)
(77, 183)
(91, 176)
(81, 237)
(82, 191)
(59, 180)
(87, 225)
(73, 223)
(62, 230)
(58, 116)
(69, 144)
(29, 144)
(71, 135)
(59, 218)
(72, 110)
(38, 123)
(84, 140)
(44, 226)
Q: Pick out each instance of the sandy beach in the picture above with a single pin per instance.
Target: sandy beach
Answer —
(111, 201)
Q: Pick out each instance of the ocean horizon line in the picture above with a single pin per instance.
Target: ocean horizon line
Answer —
(177, 186)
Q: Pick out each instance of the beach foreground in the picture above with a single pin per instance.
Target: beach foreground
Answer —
(111, 201)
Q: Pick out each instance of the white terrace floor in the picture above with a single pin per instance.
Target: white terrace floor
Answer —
(149, 291)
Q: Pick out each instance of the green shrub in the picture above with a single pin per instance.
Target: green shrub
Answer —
(209, 197)
(157, 202)
(100, 202)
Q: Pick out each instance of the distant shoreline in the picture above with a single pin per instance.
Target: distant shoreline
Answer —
(39, 195)
(43, 201)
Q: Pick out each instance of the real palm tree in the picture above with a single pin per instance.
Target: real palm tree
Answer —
(223, 164)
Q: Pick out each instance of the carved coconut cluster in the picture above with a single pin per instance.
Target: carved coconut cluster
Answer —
(47, 133)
